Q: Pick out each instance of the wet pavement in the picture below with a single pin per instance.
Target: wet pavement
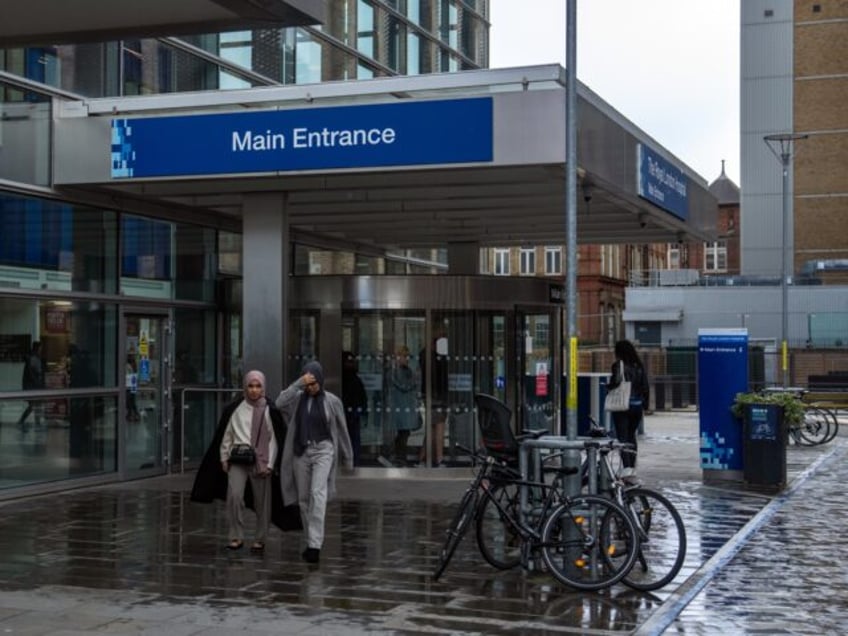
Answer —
(140, 558)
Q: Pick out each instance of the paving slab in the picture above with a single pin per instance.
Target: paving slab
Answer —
(139, 557)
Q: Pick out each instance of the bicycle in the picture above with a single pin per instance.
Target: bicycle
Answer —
(662, 535)
(587, 542)
(819, 425)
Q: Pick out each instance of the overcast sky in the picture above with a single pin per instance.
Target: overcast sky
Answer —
(669, 66)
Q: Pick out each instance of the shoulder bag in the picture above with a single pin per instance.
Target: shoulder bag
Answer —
(618, 399)
(242, 454)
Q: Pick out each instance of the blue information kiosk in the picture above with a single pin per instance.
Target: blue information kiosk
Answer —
(722, 373)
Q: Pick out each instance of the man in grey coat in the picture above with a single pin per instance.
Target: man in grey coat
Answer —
(316, 437)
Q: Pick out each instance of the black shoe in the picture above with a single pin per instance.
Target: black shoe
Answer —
(311, 555)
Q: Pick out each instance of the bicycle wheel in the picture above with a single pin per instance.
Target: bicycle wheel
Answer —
(589, 543)
(499, 542)
(662, 539)
(834, 424)
(815, 429)
(457, 529)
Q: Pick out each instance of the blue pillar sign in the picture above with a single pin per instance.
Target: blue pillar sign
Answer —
(722, 373)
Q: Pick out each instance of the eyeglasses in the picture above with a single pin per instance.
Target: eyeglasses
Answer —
(254, 385)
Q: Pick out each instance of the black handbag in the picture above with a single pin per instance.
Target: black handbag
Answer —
(243, 454)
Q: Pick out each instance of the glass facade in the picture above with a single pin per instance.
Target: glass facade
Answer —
(120, 333)
(88, 352)
(361, 39)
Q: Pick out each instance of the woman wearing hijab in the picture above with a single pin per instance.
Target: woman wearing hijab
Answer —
(249, 426)
(316, 437)
(254, 421)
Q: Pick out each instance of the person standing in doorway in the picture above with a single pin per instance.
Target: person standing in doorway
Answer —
(32, 380)
(627, 422)
(131, 380)
(316, 440)
(355, 401)
(403, 396)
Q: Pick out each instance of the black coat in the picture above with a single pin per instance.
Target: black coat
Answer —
(210, 482)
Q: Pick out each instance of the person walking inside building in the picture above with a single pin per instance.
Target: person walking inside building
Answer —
(355, 401)
(439, 404)
(32, 380)
(316, 440)
(627, 422)
(403, 401)
(241, 460)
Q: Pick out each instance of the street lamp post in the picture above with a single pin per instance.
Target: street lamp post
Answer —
(781, 145)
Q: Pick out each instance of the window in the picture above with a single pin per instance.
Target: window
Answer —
(365, 29)
(485, 266)
(147, 258)
(715, 256)
(553, 260)
(75, 339)
(648, 333)
(673, 257)
(528, 261)
(236, 47)
(54, 245)
(541, 337)
(611, 260)
(307, 62)
(501, 261)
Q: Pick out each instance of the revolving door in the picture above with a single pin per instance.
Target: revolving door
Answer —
(408, 354)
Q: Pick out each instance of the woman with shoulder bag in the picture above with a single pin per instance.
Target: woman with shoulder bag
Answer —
(627, 422)
(240, 461)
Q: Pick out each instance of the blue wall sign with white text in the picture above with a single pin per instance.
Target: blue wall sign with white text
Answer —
(662, 183)
(361, 136)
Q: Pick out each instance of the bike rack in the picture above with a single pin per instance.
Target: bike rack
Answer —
(553, 442)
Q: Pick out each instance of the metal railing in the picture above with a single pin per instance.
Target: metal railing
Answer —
(183, 407)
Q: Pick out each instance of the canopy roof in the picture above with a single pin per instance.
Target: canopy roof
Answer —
(518, 198)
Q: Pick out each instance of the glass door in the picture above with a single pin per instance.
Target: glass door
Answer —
(536, 347)
(145, 409)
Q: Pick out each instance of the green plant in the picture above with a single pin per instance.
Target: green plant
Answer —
(793, 408)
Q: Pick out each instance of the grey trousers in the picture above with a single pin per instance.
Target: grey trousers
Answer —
(236, 480)
(311, 472)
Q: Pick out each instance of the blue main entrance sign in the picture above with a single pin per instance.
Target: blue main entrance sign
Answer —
(373, 135)
(722, 373)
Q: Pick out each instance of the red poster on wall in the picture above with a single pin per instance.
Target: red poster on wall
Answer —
(541, 379)
(56, 321)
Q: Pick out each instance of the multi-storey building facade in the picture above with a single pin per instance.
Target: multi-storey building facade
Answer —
(361, 39)
(794, 79)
